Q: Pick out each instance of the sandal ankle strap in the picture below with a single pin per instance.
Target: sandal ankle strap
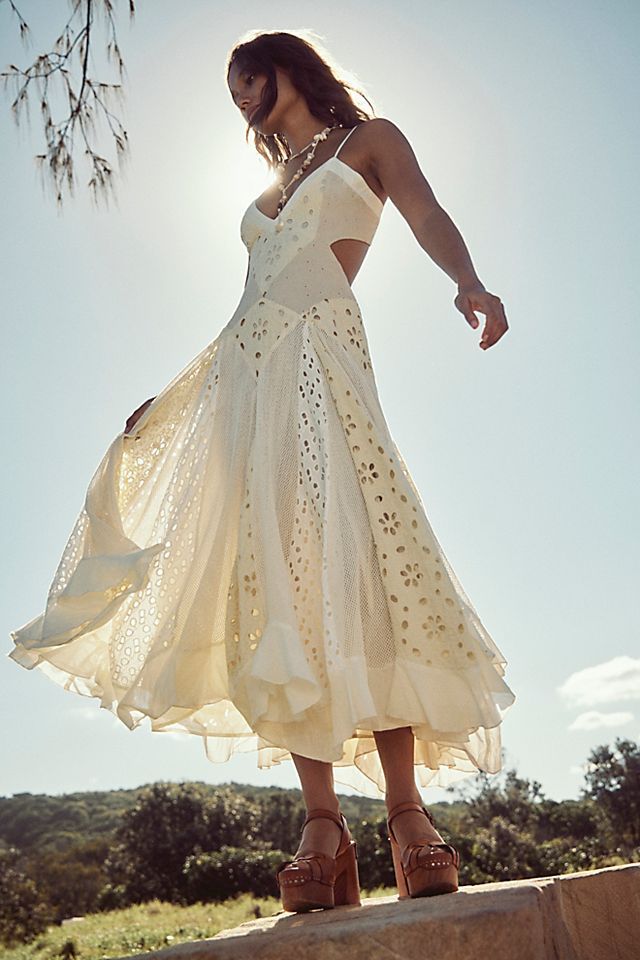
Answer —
(407, 805)
(321, 812)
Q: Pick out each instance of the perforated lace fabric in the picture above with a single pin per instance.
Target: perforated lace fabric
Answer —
(253, 564)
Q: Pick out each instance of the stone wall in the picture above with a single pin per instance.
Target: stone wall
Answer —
(594, 915)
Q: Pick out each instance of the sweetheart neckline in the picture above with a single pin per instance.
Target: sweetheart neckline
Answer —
(308, 177)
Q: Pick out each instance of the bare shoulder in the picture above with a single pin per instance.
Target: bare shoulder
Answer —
(393, 165)
(381, 126)
(382, 137)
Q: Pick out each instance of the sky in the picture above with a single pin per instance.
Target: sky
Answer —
(524, 121)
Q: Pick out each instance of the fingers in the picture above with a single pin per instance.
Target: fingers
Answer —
(488, 303)
(463, 304)
(470, 316)
(496, 323)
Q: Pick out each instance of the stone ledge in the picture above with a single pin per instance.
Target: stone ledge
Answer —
(593, 915)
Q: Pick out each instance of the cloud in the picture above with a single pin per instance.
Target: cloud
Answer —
(594, 720)
(613, 680)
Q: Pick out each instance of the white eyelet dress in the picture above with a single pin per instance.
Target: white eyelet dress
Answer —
(253, 563)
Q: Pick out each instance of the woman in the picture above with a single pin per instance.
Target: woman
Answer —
(253, 563)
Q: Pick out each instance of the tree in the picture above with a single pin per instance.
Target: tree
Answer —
(169, 823)
(375, 866)
(23, 914)
(214, 877)
(512, 831)
(282, 813)
(86, 97)
(517, 801)
(70, 880)
(613, 782)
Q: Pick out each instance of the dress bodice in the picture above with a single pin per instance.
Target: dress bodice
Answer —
(291, 254)
(294, 276)
(346, 205)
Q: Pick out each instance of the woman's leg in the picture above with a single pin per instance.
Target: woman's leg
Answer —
(316, 779)
(395, 748)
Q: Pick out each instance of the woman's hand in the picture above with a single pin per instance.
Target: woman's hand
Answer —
(476, 297)
(135, 416)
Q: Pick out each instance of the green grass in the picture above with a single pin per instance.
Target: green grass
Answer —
(147, 927)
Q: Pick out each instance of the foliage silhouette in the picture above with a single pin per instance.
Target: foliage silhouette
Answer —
(86, 97)
(613, 782)
(229, 871)
(23, 913)
(169, 823)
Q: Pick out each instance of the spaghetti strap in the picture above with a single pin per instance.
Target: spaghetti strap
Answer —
(344, 140)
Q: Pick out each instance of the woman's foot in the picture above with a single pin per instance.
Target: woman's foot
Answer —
(411, 826)
(321, 835)
(322, 881)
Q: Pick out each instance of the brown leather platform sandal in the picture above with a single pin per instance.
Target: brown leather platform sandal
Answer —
(317, 880)
(422, 869)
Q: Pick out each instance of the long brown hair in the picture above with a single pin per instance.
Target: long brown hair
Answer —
(328, 95)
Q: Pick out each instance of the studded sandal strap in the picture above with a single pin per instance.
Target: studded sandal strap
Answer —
(417, 855)
(313, 866)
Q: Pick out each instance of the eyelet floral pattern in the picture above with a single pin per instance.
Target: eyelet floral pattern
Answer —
(253, 563)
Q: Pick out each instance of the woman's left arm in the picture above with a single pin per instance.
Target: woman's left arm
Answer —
(394, 163)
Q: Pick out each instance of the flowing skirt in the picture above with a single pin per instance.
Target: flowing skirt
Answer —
(253, 565)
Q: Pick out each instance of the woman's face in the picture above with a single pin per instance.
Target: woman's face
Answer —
(246, 88)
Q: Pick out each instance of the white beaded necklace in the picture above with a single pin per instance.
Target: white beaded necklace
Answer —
(313, 143)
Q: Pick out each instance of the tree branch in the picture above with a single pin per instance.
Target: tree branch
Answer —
(83, 106)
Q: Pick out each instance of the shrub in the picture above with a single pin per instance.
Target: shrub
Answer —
(231, 870)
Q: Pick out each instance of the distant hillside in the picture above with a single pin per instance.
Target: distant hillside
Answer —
(39, 821)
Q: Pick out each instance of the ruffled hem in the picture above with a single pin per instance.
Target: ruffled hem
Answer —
(455, 717)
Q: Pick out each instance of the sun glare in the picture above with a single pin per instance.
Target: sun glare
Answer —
(239, 172)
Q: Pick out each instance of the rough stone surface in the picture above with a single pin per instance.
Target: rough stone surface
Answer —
(594, 915)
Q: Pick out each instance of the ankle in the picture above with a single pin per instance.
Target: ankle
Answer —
(393, 799)
(323, 803)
